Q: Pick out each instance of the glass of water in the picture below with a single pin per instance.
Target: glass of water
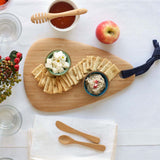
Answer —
(10, 120)
(10, 28)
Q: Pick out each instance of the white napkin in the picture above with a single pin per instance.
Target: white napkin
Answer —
(45, 144)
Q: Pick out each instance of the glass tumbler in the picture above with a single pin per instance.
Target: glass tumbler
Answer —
(10, 120)
(10, 28)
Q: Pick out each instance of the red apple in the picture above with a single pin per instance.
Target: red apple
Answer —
(107, 32)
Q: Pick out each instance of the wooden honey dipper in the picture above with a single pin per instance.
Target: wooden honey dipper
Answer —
(44, 17)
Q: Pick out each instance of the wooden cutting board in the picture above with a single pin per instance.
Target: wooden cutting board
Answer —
(76, 97)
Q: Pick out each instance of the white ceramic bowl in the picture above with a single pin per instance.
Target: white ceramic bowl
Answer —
(75, 21)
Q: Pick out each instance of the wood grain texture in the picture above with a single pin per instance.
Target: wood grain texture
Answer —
(76, 97)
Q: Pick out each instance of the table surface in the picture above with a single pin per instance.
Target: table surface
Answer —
(136, 107)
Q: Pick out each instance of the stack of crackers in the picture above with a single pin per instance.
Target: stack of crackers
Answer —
(59, 84)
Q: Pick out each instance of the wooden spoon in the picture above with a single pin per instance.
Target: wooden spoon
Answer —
(44, 17)
(68, 140)
(69, 129)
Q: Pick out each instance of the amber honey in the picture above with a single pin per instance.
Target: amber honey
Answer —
(2, 2)
(62, 22)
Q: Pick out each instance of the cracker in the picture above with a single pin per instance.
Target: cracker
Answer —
(42, 81)
(55, 87)
(80, 66)
(44, 71)
(48, 74)
(43, 78)
(88, 63)
(76, 73)
(79, 72)
(106, 66)
(112, 72)
(92, 62)
(66, 80)
(59, 86)
(96, 63)
(37, 69)
(104, 61)
(64, 85)
(50, 87)
(85, 67)
(72, 76)
(40, 74)
(46, 87)
(69, 79)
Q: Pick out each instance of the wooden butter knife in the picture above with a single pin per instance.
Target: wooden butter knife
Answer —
(69, 129)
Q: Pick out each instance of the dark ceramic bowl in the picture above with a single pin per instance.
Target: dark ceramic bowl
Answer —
(105, 79)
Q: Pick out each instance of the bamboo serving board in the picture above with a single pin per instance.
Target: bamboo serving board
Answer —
(76, 97)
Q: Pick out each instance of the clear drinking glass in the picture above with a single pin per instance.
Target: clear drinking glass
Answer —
(10, 120)
(10, 28)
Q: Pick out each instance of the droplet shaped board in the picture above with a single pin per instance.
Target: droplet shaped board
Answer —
(76, 97)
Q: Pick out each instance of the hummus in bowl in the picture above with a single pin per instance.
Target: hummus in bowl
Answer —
(96, 83)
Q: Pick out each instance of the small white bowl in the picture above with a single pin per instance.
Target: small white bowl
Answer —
(76, 18)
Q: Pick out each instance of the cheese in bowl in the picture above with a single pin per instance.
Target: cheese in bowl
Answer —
(58, 62)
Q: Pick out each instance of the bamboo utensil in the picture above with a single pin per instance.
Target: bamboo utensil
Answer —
(44, 17)
(69, 129)
(68, 140)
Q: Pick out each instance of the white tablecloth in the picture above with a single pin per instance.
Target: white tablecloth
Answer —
(136, 107)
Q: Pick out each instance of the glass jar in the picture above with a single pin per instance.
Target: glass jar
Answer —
(10, 120)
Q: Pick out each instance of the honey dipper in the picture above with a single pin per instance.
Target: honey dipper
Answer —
(44, 17)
